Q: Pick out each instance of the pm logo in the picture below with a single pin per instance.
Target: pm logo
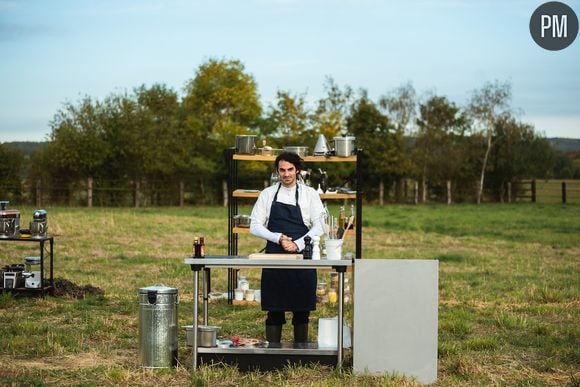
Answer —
(554, 26)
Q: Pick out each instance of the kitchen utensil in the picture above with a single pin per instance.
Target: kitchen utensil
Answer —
(344, 146)
(246, 144)
(9, 221)
(321, 147)
(242, 220)
(32, 273)
(266, 149)
(207, 336)
(301, 151)
(348, 226)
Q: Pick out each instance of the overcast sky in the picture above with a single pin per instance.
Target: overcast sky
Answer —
(56, 51)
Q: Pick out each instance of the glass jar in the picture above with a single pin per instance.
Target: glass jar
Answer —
(334, 280)
(243, 283)
(321, 292)
(332, 296)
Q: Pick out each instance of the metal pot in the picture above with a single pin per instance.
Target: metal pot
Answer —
(301, 151)
(344, 146)
(207, 336)
(246, 144)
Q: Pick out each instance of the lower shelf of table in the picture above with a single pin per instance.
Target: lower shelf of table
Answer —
(269, 358)
(282, 349)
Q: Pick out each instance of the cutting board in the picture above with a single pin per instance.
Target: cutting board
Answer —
(274, 256)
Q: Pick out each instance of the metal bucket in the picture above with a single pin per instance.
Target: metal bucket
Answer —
(158, 326)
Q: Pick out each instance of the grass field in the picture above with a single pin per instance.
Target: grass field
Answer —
(508, 312)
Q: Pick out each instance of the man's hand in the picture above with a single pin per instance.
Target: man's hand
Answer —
(287, 244)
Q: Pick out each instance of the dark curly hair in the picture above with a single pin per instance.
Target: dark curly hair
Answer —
(290, 157)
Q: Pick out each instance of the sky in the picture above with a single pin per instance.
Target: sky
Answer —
(59, 51)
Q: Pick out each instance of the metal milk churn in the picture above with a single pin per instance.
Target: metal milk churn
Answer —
(158, 326)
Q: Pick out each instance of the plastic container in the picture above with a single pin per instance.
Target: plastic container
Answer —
(333, 249)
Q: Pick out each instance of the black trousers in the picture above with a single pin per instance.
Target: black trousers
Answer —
(278, 318)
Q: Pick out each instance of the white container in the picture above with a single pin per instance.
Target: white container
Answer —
(243, 283)
(328, 333)
(238, 295)
(250, 295)
(333, 249)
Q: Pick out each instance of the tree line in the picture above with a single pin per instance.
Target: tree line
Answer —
(155, 141)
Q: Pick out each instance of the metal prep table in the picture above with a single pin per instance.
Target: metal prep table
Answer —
(238, 262)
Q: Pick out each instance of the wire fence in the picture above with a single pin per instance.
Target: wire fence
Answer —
(158, 193)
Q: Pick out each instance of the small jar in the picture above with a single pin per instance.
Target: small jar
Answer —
(334, 280)
(249, 295)
(332, 296)
(243, 283)
(238, 295)
(321, 292)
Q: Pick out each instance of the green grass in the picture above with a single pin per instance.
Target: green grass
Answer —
(509, 292)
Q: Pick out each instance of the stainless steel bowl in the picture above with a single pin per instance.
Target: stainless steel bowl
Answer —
(301, 151)
(242, 220)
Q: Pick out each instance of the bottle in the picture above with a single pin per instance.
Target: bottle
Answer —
(342, 218)
(352, 216)
(202, 247)
(196, 248)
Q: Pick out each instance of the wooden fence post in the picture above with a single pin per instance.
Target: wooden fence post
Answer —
(38, 193)
(137, 193)
(509, 193)
(533, 190)
(416, 191)
(90, 192)
(448, 192)
(225, 192)
(563, 192)
(181, 193)
(381, 193)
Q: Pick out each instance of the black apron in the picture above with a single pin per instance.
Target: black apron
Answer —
(287, 289)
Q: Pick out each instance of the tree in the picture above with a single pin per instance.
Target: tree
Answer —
(331, 112)
(400, 107)
(223, 101)
(371, 128)
(487, 106)
(518, 153)
(439, 142)
(287, 120)
(10, 173)
(224, 98)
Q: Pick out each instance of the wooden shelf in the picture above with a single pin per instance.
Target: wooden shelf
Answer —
(241, 230)
(308, 159)
(241, 193)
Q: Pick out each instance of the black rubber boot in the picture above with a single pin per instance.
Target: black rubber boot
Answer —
(273, 333)
(301, 333)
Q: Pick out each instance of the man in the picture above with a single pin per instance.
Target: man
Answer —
(283, 215)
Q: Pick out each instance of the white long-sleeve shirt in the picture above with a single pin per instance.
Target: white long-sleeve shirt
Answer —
(310, 206)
